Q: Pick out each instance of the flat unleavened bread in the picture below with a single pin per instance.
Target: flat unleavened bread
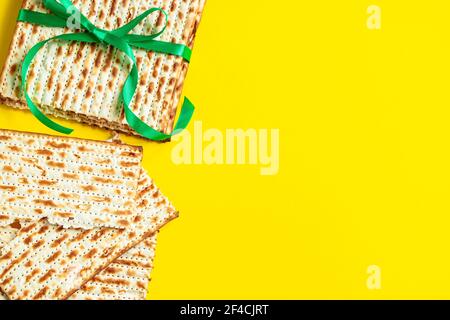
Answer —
(46, 262)
(82, 82)
(127, 278)
(72, 182)
(7, 234)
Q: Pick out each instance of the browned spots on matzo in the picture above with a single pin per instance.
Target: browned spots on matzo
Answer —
(87, 288)
(131, 273)
(89, 92)
(50, 80)
(38, 244)
(156, 194)
(137, 219)
(81, 236)
(112, 270)
(73, 254)
(72, 176)
(119, 282)
(31, 161)
(141, 285)
(123, 223)
(85, 169)
(113, 7)
(128, 174)
(59, 241)
(58, 92)
(13, 69)
(91, 253)
(6, 256)
(64, 214)
(41, 294)
(12, 291)
(23, 180)
(14, 149)
(57, 293)
(54, 164)
(122, 212)
(47, 183)
(53, 257)
(8, 188)
(28, 228)
(21, 40)
(108, 251)
(44, 152)
(103, 161)
(98, 61)
(57, 145)
(102, 180)
(32, 274)
(88, 188)
(43, 229)
(28, 240)
(14, 199)
(101, 199)
(115, 71)
(109, 171)
(100, 234)
(8, 169)
(105, 290)
(66, 195)
(6, 282)
(47, 203)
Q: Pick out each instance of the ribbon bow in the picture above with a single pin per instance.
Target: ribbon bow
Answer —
(61, 13)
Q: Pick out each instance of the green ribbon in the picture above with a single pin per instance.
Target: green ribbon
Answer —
(120, 39)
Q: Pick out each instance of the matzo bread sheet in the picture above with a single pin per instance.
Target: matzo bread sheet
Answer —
(127, 278)
(73, 182)
(46, 262)
(82, 82)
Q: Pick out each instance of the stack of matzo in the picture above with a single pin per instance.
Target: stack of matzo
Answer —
(82, 82)
(78, 219)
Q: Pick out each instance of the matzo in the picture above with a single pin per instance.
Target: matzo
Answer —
(72, 182)
(7, 234)
(83, 81)
(46, 262)
(127, 278)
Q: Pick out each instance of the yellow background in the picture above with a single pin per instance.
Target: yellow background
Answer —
(364, 153)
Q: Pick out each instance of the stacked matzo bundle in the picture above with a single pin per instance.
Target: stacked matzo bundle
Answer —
(78, 219)
(82, 82)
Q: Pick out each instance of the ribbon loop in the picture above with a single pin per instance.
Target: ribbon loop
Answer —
(56, 8)
(61, 13)
(126, 29)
